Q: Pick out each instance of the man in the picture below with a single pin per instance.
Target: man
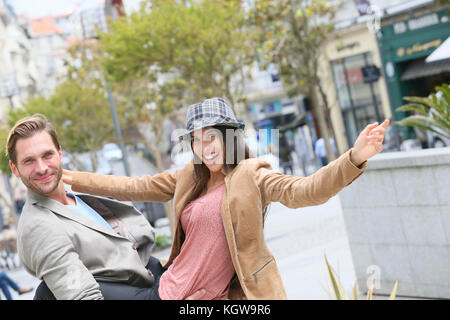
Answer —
(83, 247)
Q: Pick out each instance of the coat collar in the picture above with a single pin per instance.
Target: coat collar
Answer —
(62, 210)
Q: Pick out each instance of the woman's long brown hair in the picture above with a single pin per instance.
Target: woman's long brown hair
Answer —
(201, 173)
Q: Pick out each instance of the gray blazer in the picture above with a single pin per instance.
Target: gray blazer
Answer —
(70, 252)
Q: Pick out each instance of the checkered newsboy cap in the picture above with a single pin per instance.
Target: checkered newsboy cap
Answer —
(208, 113)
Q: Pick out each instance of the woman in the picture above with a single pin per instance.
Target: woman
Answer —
(220, 199)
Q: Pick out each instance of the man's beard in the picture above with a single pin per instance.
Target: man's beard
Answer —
(47, 189)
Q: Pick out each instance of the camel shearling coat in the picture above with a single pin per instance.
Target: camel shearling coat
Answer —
(249, 189)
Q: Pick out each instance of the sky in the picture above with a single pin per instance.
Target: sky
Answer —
(40, 8)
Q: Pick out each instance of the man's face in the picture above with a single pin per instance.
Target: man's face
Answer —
(39, 163)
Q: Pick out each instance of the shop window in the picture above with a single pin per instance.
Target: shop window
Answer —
(359, 101)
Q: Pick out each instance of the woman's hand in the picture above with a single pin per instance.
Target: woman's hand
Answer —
(369, 142)
(67, 176)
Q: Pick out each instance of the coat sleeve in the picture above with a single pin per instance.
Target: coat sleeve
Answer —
(47, 252)
(318, 188)
(160, 187)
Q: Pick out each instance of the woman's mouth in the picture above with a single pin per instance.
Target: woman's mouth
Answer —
(211, 157)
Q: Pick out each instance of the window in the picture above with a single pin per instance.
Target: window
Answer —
(360, 102)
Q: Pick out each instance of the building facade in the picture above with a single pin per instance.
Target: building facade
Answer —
(19, 76)
(376, 58)
(355, 88)
(407, 38)
(279, 122)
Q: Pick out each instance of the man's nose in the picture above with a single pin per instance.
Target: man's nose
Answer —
(41, 166)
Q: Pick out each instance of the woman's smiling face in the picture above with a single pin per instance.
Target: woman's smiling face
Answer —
(207, 144)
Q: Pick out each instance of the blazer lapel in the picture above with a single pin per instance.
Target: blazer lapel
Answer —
(62, 210)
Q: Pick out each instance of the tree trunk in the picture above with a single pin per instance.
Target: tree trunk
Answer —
(321, 120)
(328, 113)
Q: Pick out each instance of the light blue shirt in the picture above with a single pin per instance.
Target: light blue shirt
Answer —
(82, 208)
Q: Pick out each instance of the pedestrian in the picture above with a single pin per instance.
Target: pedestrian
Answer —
(83, 247)
(220, 199)
(8, 241)
(285, 157)
(6, 282)
(321, 151)
(18, 205)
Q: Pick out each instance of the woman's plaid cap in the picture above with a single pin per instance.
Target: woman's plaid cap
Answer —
(208, 113)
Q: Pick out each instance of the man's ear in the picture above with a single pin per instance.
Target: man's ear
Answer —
(14, 169)
(60, 153)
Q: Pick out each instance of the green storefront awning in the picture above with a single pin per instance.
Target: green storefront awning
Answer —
(419, 69)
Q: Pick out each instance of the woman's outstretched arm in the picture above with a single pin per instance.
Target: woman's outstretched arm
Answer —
(296, 192)
(159, 187)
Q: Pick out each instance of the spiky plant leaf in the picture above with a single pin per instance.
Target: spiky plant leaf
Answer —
(335, 285)
(394, 291)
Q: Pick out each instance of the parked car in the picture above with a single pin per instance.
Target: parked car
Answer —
(112, 152)
(437, 141)
(152, 211)
(103, 166)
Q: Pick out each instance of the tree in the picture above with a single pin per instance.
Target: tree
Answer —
(200, 47)
(175, 54)
(78, 107)
(293, 33)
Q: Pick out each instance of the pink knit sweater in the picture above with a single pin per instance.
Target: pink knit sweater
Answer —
(204, 261)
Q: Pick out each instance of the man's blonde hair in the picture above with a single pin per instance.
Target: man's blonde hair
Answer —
(26, 128)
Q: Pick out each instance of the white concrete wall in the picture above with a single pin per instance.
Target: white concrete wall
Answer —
(397, 217)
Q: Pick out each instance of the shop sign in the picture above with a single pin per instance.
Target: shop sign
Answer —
(416, 23)
(370, 73)
(418, 47)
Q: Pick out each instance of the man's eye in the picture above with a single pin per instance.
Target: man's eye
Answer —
(28, 161)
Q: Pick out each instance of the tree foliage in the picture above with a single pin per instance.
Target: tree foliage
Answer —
(292, 38)
(78, 107)
(188, 50)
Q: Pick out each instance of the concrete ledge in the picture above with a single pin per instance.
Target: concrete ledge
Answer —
(397, 218)
(416, 158)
